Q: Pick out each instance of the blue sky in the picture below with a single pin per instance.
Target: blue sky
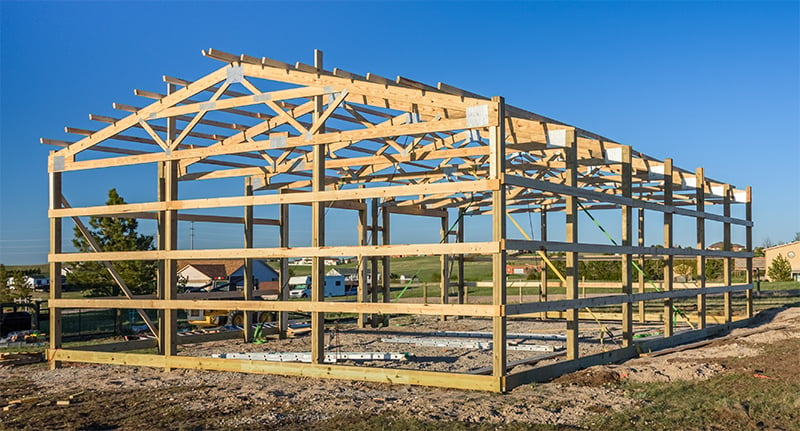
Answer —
(709, 84)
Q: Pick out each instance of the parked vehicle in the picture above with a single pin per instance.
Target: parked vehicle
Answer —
(334, 286)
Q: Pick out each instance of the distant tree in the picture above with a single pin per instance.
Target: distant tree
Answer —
(758, 252)
(780, 269)
(113, 234)
(796, 237)
(767, 243)
(21, 290)
(684, 270)
(6, 295)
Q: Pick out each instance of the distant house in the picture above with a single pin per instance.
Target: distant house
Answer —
(266, 277)
(734, 247)
(201, 272)
(790, 251)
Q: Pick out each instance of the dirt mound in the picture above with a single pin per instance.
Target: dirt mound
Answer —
(593, 377)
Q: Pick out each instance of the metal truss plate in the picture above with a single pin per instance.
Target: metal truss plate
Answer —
(477, 116)
(235, 74)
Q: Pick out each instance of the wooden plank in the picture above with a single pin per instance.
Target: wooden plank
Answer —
(278, 252)
(289, 198)
(518, 244)
(727, 263)
(484, 310)
(598, 301)
(381, 375)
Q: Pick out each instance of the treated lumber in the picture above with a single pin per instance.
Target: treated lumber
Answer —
(381, 375)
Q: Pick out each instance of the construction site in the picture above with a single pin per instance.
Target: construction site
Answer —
(315, 148)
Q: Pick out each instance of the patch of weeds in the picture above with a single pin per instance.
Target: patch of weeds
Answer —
(724, 402)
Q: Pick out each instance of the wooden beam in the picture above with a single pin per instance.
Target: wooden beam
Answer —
(328, 371)
(627, 258)
(55, 200)
(727, 263)
(318, 232)
(571, 180)
(668, 260)
(701, 245)
(497, 169)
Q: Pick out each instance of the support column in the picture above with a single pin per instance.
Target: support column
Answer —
(460, 262)
(387, 273)
(545, 269)
(168, 240)
(700, 197)
(497, 168)
(668, 260)
(55, 267)
(169, 342)
(571, 208)
(726, 245)
(748, 211)
(361, 293)
(374, 260)
(283, 275)
(248, 316)
(627, 258)
(640, 242)
(444, 269)
(318, 234)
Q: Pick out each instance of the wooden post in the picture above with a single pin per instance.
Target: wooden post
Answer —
(571, 177)
(363, 229)
(497, 167)
(283, 276)
(374, 260)
(318, 235)
(748, 210)
(640, 242)
(543, 233)
(460, 262)
(627, 258)
(248, 287)
(55, 267)
(168, 239)
(701, 245)
(387, 273)
(726, 245)
(668, 235)
(169, 342)
(444, 273)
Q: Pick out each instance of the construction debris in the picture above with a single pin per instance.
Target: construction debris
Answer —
(472, 334)
(461, 344)
(330, 358)
(13, 359)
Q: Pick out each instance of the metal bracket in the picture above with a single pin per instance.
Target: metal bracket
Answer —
(207, 106)
(58, 163)
(477, 116)
(277, 140)
(557, 138)
(235, 74)
(263, 97)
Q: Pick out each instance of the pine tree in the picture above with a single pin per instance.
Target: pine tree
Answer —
(113, 234)
(780, 269)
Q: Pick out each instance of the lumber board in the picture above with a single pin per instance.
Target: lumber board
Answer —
(370, 374)
(384, 308)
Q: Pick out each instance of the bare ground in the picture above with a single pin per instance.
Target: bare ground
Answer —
(113, 397)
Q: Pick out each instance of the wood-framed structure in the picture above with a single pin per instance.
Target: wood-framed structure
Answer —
(306, 135)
